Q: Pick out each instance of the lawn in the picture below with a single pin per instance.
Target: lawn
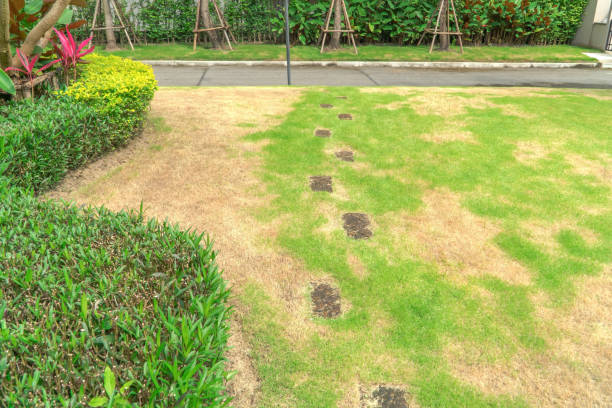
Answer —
(486, 280)
(250, 52)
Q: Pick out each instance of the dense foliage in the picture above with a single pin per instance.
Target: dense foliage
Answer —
(88, 297)
(376, 21)
(45, 138)
(85, 289)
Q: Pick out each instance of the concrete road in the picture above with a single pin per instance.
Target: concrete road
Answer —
(381, 76)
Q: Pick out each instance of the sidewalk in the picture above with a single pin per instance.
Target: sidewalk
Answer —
(605, 59)
(274, 75)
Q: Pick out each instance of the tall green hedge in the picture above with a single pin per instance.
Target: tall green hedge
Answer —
(376, 21)
(88, 294)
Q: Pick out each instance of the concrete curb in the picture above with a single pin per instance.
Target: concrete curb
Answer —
(369, 64)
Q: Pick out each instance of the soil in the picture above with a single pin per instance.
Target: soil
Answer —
(323, 133)
(388, 397)
(345, 116)
(345, 155)
(321, 183)
(342, 97)
(325, 300)
(326, 106)
(356, 225)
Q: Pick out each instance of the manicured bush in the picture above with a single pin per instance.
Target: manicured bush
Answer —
(83, 289)
(87, 294)
(118, 88)
(102, 110)
(44, 139)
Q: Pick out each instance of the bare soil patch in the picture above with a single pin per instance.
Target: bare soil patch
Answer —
(321, 183)
(357, 225)
(323, 133)
(326, 301)
(384, 396)
(345, 155)
(326, 106)
(345, 116)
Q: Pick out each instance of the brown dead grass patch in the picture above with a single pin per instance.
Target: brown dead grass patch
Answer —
(545, 233)
(528, 152)
(573, 372)
(205, 178)
(454, 101)
(358, 268)
(600, 169)
(459, 242)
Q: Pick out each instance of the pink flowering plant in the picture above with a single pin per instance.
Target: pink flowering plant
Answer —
(70, 53)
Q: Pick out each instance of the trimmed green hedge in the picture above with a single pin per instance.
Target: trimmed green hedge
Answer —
(44, 139)
(83, 290)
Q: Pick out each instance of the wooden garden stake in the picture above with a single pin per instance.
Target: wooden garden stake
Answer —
(120, 15)
(348, 30)
(223, 27)
(443, 10)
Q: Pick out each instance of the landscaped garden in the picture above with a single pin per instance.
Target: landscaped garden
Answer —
(368, 247)
(478, 274)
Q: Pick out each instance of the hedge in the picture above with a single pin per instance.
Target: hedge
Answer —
(375, 21)
(102, 110)
(88, 297)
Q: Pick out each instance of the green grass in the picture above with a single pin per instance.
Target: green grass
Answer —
(405, 313)
(250, 52)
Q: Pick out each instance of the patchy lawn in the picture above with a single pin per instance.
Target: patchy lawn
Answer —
(483, 274)
(262, 52)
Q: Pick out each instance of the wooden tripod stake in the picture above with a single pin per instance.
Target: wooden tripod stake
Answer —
(444, 8)
(223, 27)
(349, 30)
(120, 15)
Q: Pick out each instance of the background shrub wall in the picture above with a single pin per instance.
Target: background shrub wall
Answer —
(376, 21)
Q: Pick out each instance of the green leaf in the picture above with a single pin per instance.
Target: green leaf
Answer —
(98, 401)
(33, 6)
(125, 387)
(6, 84)
(109, 381)
(66, 17)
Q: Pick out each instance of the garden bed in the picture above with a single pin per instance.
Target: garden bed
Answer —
(92, 297)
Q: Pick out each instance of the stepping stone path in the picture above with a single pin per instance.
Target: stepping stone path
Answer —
(345, 155)
(385, 397)
(323, 133)
(325, 300)
(326, 106)
(345, 116)
(342, 97)
(356, 225)
(321, 183)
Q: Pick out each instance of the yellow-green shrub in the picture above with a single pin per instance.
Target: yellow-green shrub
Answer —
(118, 88)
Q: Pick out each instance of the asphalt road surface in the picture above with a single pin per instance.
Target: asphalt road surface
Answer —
(220, 75)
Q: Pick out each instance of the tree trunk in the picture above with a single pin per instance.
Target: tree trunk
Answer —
(44, 25)
(444, 38)
(5, 48)
(335, 40)
(111, 42)
(207, 20)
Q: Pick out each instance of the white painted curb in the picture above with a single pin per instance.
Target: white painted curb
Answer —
(389, 64)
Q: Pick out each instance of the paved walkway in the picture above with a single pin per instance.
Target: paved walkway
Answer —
(382, 76)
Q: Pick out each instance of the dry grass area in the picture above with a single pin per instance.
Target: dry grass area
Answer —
(577, 371)
(459, 242)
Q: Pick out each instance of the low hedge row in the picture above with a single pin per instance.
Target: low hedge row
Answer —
(102, 110)
(98, 308)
